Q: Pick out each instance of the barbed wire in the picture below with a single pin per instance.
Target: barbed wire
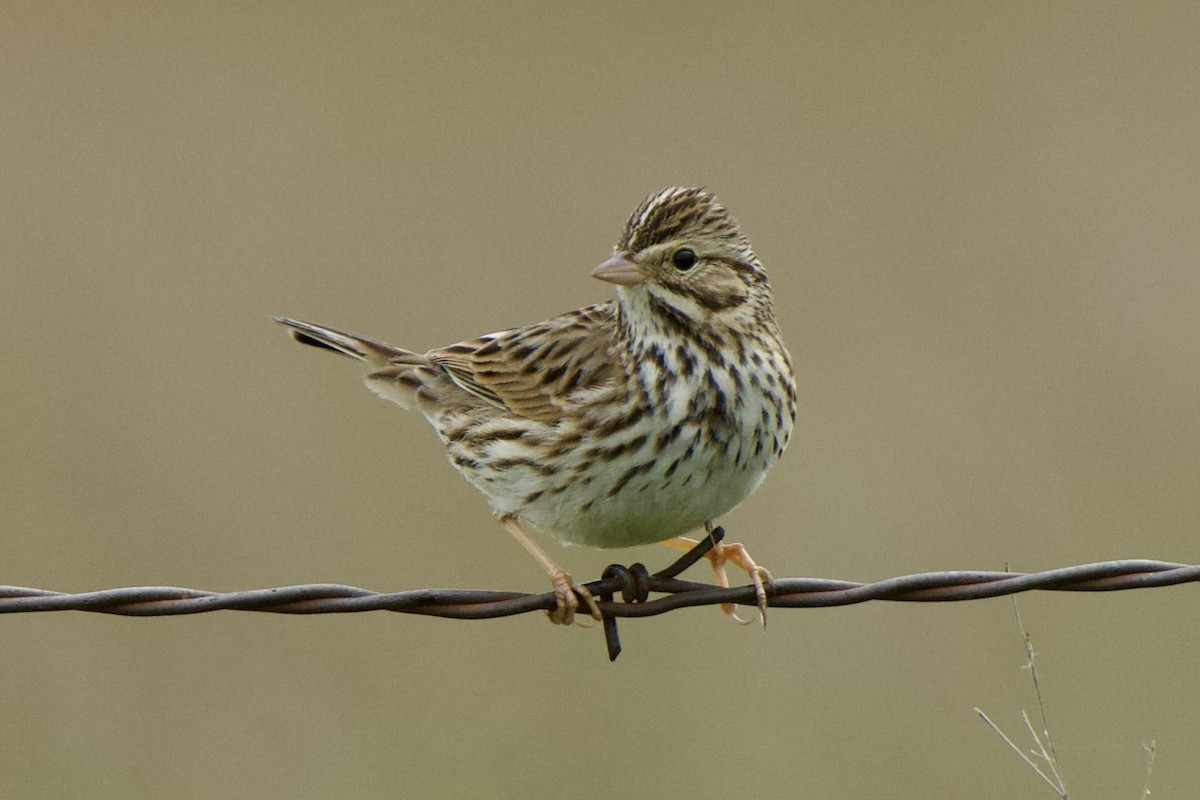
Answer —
(634, 584)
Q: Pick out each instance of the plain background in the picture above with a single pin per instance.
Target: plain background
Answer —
(981, 222)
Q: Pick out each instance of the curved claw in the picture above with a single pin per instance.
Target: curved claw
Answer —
(762, 580)
(735, 554)
(567, 593)
(758, 576)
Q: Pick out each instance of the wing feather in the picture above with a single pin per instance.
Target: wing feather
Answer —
(533, 371)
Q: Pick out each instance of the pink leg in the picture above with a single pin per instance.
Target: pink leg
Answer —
(737, 555)
(565, 589)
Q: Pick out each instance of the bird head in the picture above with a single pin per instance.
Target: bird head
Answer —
(682, 255)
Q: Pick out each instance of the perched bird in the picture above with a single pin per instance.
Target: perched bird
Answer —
(623, 423)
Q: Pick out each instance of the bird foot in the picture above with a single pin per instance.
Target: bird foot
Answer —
(736, 554)
(568, 593)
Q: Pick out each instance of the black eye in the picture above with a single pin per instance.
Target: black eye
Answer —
(684, 259)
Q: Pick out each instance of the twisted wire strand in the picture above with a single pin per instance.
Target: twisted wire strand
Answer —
(633, 585)
(333, 598)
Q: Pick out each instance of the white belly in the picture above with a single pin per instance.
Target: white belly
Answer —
(645, 495)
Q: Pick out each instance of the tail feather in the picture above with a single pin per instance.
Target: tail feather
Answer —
(349, 344)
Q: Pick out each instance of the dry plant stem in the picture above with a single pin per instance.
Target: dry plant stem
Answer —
(1044, 744)
(1046, 756)
(1051, 757)
(1149, 767)
(1020, 753)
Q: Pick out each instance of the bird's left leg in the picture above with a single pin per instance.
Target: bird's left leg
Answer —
(735, 554)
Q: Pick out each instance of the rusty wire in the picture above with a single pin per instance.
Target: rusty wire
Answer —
(633, 584)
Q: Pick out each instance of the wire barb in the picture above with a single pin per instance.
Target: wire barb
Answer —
(634, 584)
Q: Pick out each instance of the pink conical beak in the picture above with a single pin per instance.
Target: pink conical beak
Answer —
(619, 270)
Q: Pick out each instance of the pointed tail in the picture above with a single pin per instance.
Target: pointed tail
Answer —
(348, 344)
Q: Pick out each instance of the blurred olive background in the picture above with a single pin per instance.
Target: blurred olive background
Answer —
(982, 227)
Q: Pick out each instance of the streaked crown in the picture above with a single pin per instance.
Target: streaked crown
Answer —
(682, 258)
(679, 211)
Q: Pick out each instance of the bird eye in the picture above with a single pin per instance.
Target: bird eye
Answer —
(684, 259)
